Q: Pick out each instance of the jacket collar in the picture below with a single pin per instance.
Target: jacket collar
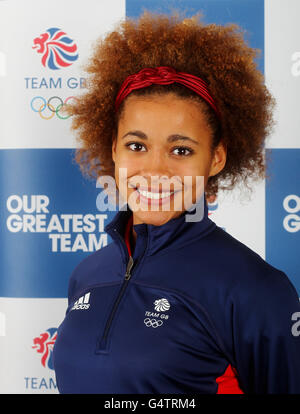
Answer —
(150, 238)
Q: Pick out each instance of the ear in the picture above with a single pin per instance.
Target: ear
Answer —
(219, 159)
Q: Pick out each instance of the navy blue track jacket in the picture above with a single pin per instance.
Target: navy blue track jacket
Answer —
(192, 310)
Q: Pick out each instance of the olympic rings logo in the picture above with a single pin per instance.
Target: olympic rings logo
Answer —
(154, 323)
(39, 104)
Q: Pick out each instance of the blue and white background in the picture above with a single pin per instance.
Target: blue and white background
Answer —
(48, 214)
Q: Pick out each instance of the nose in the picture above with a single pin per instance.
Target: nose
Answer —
(155, 173)
(156, 164)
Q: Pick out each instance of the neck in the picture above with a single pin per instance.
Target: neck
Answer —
(138, 221)
(134, 236)
(193, 223)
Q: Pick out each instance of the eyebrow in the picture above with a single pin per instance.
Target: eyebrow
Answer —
(171, 138)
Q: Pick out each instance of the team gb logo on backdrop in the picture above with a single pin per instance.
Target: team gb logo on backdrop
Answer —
(58, 50)
(44, 346)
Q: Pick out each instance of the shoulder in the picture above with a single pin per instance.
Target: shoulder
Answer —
(249, 276)
(225, 267)
(244, 295)
(100, 266)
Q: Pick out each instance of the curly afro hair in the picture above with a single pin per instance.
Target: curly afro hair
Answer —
(217, 54)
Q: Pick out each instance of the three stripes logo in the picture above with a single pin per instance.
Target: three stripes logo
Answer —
(82, 302)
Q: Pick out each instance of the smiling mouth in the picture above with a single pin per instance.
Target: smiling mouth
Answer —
(155, 195)
(158, 195)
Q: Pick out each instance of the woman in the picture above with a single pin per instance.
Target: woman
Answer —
(175, 304)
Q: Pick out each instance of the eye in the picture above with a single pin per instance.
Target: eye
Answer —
(183, 151)
(135, 146)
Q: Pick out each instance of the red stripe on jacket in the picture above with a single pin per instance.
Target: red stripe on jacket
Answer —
(228, 383)
(127, 234)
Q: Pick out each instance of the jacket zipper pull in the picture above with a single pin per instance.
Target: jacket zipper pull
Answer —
(128, 268)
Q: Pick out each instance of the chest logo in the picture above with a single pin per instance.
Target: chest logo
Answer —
(161, 305)
(155, 319)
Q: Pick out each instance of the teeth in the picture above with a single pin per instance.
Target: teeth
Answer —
(155, 196)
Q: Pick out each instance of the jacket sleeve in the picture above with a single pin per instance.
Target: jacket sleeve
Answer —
(266, 336)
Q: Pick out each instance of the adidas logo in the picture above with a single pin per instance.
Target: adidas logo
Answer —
(82, 302)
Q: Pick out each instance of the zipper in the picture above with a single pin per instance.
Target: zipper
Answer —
(116, 304)
(128, 269)
(103, 342)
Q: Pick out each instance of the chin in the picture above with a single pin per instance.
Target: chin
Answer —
(157, 218)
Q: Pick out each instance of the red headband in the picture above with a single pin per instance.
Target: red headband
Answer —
(165, 75)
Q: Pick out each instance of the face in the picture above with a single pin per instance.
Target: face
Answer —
(164, 143)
